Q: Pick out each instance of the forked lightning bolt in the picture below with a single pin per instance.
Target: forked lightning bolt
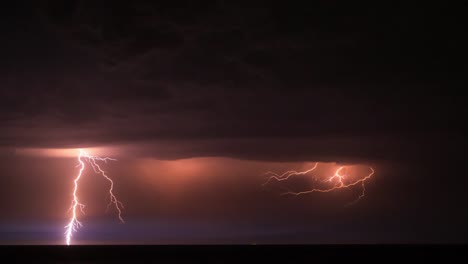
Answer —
(74, 224)
(339, 180)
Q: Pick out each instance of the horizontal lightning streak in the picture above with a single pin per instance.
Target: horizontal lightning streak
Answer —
(287, 174)
(338, 177)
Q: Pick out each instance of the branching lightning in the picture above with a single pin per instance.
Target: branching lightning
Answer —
(83, 157)
(339, 180)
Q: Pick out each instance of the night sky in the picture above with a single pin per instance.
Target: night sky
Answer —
(198, 100)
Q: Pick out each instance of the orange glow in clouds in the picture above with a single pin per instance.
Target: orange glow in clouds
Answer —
(65, 152)
(176, 177)
(178, 181)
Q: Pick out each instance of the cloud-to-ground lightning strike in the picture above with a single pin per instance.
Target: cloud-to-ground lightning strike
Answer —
(83, 157)
(339, 180)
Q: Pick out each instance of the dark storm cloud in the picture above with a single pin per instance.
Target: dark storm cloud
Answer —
(378, 85)
(225, 79)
